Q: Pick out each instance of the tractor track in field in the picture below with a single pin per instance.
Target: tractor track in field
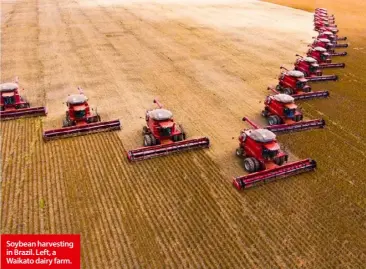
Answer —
(179, 211)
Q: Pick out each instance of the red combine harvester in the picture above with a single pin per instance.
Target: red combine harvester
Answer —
(325, 18)
(329, 35)
(310, 67)
(326, 44)
(14, 106)
(321, 23)
(326, 28)
(162, 136)
(295, 84)
(264, 160)
(329, 46)
(323, 12)
(283, 115)
(80, 120)
(323, 58)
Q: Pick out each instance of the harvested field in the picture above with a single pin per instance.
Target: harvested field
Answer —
(210, 64)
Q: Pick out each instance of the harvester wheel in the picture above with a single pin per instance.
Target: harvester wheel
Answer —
(278, 88)
(147, 140)
(249, 165)
(153, 140)
(280, 161)
(65, 123)
(298, 118)
(257, 165)
(273, 120)
(288, 91)
(183, 135)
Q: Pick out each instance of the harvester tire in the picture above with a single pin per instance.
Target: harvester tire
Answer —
(147, 140)
(298, 118)
(273, 120)
(249, 165)
(257, 165)
(183, 134)
(278, 88)
(153, 140)
(66, 123)
(288, 91)
(280, 161)
(181, 137)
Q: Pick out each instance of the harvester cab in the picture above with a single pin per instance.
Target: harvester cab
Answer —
(79, 112)
(292, 82)
(263, 158)
(162, 136)
(13, 105)
(79, 120)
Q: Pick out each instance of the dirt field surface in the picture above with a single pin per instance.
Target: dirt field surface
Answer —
(210, 63)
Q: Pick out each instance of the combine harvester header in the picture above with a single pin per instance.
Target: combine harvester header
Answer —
(264, 160)
(14, 106)
(292, 127)
(287, 170)
(311, 69)
(80, 120)
(162, 136)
